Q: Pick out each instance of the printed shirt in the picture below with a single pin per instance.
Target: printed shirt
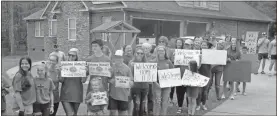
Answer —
(102, 58)
(43, 88)
(272, 47)
(54, 74)
(263, 42)
(116, 93)
(29, 95)
(93, 108)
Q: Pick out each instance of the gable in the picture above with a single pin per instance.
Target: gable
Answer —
(47, 9)
(57, 7)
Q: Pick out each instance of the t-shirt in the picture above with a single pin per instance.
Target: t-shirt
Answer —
(142, 85)
(272, 47)
(102, 58)
(28, 93)
(121, 94)
(43, 88)
(233, 54)
(263, 45)
(93, 108)
(127, 59)
(72, 89)
(60, 54)
(54, 74)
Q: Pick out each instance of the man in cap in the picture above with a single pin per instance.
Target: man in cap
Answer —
(263, 50)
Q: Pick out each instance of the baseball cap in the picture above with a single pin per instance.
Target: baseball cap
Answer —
(119, 53)
(73, 51)
(189, 41)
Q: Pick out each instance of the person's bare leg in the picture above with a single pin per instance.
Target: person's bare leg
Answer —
(259, 67)
(263, 65)
(193, 105)
(113, 113)
(244, 88)
(232, 97)
(123, 113)
(130, 108)
(224, 88)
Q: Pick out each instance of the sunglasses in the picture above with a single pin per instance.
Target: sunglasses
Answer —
(140, 53)
(71, 55)
(161, 41)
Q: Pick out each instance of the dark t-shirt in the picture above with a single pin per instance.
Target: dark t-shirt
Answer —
(72, 89)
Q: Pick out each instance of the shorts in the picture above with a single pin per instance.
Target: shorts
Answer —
(262, 56)
(273, 57)
(99, 113)
(42, 108)
(117, 105)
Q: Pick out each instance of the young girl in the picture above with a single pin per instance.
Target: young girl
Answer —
(72, 88)
(244, 51)
(94, 110)
(161, 94)
(192, 92)
(23, 85)
(54, 73)
(44, 92)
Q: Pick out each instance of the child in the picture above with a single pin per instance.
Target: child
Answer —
(244, 51)
(192, 92)
(119, 97)
(95, 110)
(44, 91)
(5, 85)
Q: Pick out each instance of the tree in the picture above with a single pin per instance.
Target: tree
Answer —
(11, 30)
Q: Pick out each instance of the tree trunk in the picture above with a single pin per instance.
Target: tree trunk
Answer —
(11, 30)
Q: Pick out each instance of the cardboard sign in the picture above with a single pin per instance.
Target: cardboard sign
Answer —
(194, 79)
(151, 41)
(251, 41)
(253, 58)
(122, 82)
(99, 69)
(99, 98)
(170, 77)
(183, 57)
(237, 71)
(214, 57)
(145, 72)
(73, 69)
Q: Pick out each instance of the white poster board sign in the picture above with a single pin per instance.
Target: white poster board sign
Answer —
(183, 57)
(99, 98)
(170, 77)
(194, 79)
(122, 82)
(73, 68)
(151, 41)
(214, 57)
(251, 40)
(99, 69)
(145, 72)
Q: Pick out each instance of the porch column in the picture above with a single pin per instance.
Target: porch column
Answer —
(182, 25)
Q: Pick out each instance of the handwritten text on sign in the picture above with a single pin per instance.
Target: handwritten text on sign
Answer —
(99, 69)
(73, 69)
(194, 79)
(251, 42)
(183, 57)
(99, 98)
(170, 77)
(122, 82)
(145, 72)
(215, 57)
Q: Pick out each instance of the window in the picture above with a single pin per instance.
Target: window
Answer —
(200, 4)
(72, 29)
(39, 30)
(53, 28)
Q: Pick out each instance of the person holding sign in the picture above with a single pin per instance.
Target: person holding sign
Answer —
(263, 50)
(128, 54)
(161, 94)
(118, 96)
(95, 106)
(233, 54)
(140, 89)
(244, 51)
(72, 88)
(205, 70)
(272, 55)
(197, 43)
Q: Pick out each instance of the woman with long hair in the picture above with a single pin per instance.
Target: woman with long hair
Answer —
(161, 94)
(72, 88)
(140, 89)
(127, 54)
(23, 86)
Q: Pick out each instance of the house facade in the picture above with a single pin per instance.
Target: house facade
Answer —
(68, 23)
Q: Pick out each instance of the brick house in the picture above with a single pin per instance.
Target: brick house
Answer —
(68, 23)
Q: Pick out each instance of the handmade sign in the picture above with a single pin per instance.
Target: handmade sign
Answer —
(145, 72)
(253, 58)
(73, 68)
(215, 57)
(99, 98)
(251, 41)
(170, 77)
(122, 82)
(99, 69)
(151, 41)
(183, 57)
(237, 71)
(194, 79)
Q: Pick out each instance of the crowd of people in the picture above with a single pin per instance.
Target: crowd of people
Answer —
(41, 95)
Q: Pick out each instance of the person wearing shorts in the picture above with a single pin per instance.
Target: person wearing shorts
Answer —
(263, 44)
(272, 55)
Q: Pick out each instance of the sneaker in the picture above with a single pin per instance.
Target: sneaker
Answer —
(179, 111)
(235, 94)
(262, 72)
(204, 107)
(270, 74)
(197, 108)
(223, 96)
(243, 93)
(232, 97)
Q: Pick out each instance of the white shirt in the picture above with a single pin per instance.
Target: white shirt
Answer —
(60, 54)
(263, 47)
(272, 47)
